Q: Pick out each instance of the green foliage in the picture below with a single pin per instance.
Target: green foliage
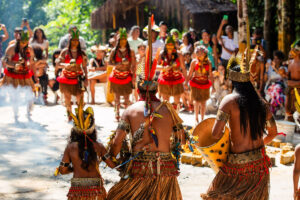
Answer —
(62, 14)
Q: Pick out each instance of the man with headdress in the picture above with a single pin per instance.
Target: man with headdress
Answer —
(148, 171)
(122, 77)
(73, 79)
(293, 80)
(82, 157)
(173, 74)
(245, 175)
(19, 70)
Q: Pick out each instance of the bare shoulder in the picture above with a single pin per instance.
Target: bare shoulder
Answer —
(132, 109)
(194, 61)
(64, 51)
(227, 102)
(11, 48)
(179, 53)
(297, 150)
(72, 146)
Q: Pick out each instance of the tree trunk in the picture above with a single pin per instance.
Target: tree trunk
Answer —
(286, 10)
(267, 27)
(242, 26)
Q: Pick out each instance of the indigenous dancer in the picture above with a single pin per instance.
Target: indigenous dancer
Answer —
(123, 76)
(82, 157)
(296, 173)
(173, 74)
(97, 69)
(19, 69)
(73, 78)
(293, 80)
(245, 175)
(200, 73)
(150, 171)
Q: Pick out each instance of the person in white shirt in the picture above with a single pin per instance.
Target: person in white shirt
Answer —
(39, 39)
(229, 47)
(64, 41)
(135, 40)
(156, 44)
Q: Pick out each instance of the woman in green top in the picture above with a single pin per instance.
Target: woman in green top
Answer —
(211, 47)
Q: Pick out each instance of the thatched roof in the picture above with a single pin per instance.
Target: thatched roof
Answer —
(184, 11)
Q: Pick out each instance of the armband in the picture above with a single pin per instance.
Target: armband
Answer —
(222, 116)
(124, 126)
(63, 164)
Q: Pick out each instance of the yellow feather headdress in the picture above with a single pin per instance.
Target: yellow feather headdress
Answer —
(83, 120)
(243, 59)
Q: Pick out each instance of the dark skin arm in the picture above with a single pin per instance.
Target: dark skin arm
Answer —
(133, 66)
(272, 131)
(101, 151)
(120, 136)
(182, 66)
(191, 71)
(296, 172)
(66, 159)
(218, 128)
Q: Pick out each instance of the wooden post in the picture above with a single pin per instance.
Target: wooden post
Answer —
(285, 25)
(267, 26)
(242, 15)
(137, 15)
(114, 21)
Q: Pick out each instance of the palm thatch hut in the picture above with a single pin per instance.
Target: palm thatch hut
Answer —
(183, 14)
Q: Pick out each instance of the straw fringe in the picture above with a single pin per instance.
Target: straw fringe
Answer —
(121, 89)
(171, 90)
(73, 89)
(247, 181)
(199, 94)
(17, 82)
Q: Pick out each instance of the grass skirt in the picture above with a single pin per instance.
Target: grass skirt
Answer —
(244, 176)
(199, 94)
(17, 82)
(171, 90)
(121, 89)
(152, 176)
(73, 89)
(86, 189)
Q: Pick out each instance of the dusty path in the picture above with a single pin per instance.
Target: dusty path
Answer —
(30, 151)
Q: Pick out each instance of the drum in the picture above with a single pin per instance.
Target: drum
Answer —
(214, 151)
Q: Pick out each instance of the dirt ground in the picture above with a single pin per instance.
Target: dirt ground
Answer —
(31, 150)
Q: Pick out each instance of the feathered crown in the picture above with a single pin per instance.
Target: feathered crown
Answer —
(24, 36)
(123, 33)
(169, 40)
(75, 34)
(83, 120)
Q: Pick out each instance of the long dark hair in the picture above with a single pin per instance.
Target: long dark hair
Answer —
(252, 108)
(189, 38)
(38, 52)
(118, 46)
(35, 38)
(21, 51)
(79, 51)
(92, 155)
(55, 52)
